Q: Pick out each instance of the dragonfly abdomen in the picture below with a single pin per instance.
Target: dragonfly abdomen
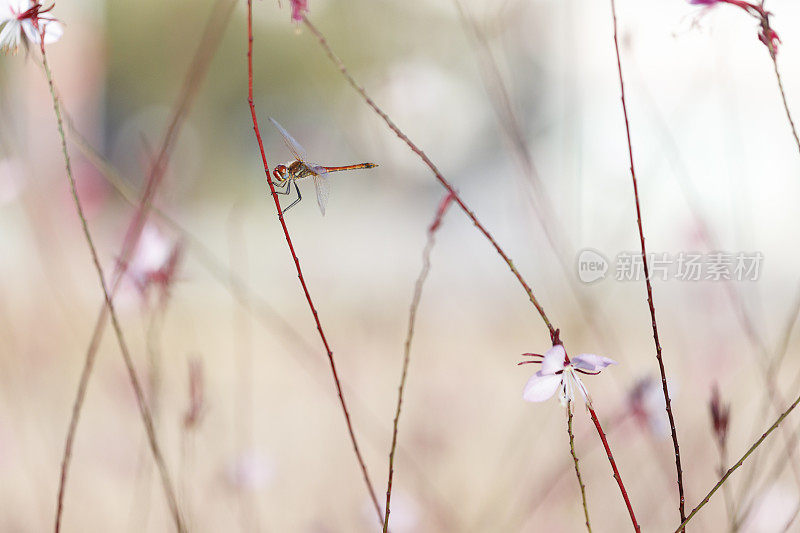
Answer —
(350, 167)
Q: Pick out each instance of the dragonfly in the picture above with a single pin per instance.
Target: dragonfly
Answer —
(301, 167)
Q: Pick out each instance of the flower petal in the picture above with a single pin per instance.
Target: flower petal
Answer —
(53, 31)
(553, 360)
(9, 37)
(565, 392)
(10, 8)
(581, 387)
(540, 388)
(30, 32)
(591, 362)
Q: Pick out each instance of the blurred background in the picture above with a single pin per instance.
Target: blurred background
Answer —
(517, 103)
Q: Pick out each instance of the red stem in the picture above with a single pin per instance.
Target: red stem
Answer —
(614, 468)
(356, 449)
(681, 504)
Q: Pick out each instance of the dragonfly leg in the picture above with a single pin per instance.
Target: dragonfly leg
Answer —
(299, 197)
(283, 188)
(286, 188)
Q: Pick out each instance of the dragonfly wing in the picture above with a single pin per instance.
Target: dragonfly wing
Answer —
(323, 187)
(293, 145)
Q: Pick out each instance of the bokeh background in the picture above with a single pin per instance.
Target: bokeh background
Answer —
(718, 169)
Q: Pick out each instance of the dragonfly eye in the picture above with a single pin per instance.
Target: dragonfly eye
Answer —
(280, 173)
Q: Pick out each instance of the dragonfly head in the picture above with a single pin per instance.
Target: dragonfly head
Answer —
(281, 173)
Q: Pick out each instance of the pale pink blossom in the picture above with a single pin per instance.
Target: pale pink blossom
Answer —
(155, 261)
(559, 373)
(18, 17)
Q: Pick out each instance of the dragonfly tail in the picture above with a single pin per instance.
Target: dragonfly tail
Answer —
(350, 167)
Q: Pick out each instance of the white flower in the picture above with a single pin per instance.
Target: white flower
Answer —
(560, 374)
(155, 260)
(25, 16)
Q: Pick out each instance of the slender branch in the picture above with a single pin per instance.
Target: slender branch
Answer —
(577, 469)
(681, 504)
(617, 477)
(346, 413)
(739, 463)
(730, 507)
(137, 387)
(440, 178)
(212, 35)
(785, 103)
(778, 468)
(773, 54)
(412, 318)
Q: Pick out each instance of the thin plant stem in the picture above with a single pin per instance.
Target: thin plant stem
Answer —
(412, 318)
(730, 508)
(212, 35)
(739, 463)
(773, 53)
(775, 398)
(777, 469)
(153, 319)
(187, 469)
(681, 504)
(613, 463)
(328, 350)
(577, 468)
(439, 177)
(141, 402)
